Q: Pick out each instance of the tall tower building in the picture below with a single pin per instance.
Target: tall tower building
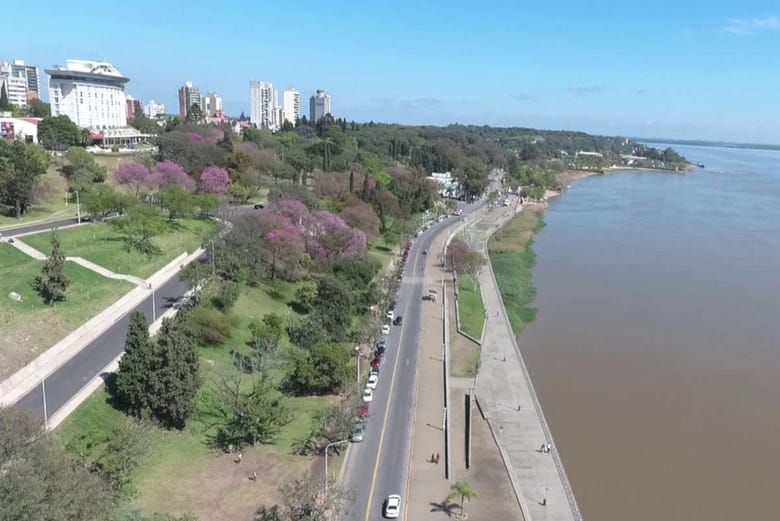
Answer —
(91, 93)
(263, 105)
(29, 73)
(319, 106)
(211, 104)
(189, 95)
(291, 100)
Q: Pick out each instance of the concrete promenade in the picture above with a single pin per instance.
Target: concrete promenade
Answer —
(507, 399)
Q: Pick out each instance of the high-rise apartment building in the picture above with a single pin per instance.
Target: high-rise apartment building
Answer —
(154, 109)
(14, 85)
(189, 95)
(291, 101)
(91, 93)
(30, 75)
(319, 106)
(264, 105)
(132, 106)
(211, 104)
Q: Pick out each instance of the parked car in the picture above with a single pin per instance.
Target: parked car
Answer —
(259, 206)
(380, 350)
(368, 394)
(363, 411)
(376, 362)
(386, 329)
(425, 252)
(392, 506)
(390, 315)
(373, 381)
(398, 320)
(357, 433)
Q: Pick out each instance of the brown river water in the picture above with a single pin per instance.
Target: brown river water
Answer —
(655, 351)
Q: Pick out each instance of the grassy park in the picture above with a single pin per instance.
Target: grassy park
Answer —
(102, 244)
(22, 335)
(472, 310)
(513, 258)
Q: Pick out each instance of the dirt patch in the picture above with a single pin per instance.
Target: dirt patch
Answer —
(215, 488)
(569, 176)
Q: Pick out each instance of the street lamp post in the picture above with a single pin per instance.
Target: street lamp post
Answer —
(327, 449)
(154, 304)
(45, 411)
(78, 208)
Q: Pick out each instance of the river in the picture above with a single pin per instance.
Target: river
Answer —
(655, 350)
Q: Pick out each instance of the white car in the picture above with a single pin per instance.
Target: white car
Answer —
(386, 329)
(368, 394)
(392, 507)
(373, 380)
(390, 315)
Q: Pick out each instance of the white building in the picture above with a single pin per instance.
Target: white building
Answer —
(154, 109)
(30, 75)
(15, 85)
(319, 106)
(291, 100)
(211, 104)
(263, 105)
(22, 129)
(91, 93)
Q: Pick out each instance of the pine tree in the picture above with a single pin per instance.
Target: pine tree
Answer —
(177, 377)
(4, 103)
(136, 368)
(53, 282)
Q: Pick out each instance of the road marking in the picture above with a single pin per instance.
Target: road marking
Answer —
(387, 409)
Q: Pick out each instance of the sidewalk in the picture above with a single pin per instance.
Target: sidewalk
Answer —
(24, 380)
(503, 384)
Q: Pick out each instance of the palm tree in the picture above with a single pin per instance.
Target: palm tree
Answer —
(86, 137)
(464, 490)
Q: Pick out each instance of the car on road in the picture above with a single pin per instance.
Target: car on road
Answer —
(425, 252)
(398, 320)
(392, 507)
(373, 380)
(259, 206)
(390, 315)
(363, 411)
(380, 350)
(357, 433)
(386, 329)
(368, 394)
(376, 362)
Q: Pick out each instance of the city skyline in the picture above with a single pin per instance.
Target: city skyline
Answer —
(693, 71)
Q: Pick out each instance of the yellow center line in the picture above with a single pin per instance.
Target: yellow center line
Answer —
(387, 407)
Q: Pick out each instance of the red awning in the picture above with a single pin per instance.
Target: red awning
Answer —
(97, 136)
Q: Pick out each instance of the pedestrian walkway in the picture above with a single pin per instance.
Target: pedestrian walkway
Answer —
(508, 401)
(27, 249)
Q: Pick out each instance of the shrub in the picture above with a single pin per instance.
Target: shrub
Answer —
(227, 293)
(212, 326)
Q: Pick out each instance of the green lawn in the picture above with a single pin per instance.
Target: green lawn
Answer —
(52, 211)
(22, 333)
(513, 258)
(101, 244)
(470, 306)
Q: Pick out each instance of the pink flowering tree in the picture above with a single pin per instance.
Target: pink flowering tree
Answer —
(214, 180)
(294, 210)
(362, 217)
(168, 173)
(331, 238)
(329, 186)
(135, 176)
(284, 246)
(196, 137)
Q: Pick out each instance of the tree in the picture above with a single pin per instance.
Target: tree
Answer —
(333, 306)
(144, 124)
(250, 416)
(305, 295)
(136, 176)
(464, 490)
(104, 200)
(142, 222)
(81, 170)
(58, 132)
(4, 103)
(137, 366)
(362, 217)
(322, 370)
(176, 200)
(214, 180)
(86, 137)
(167, 173)
(21, 167)
(39, 481)
(303, 499)
(176, 379)
(53, 282)
(39, 109)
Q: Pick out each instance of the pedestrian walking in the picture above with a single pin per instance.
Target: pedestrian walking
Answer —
(433, 458)
(253, 477)
(541, 449)
(548, 448)
(437, 458)
(239, 457)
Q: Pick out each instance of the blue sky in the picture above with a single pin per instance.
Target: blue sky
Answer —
(706, 69)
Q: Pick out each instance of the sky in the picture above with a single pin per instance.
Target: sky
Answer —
(684, 69)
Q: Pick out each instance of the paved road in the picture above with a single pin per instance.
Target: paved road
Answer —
(41, 227)
(69, 378)
(378, 466)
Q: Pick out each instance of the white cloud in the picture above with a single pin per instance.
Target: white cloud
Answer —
(752, 25)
